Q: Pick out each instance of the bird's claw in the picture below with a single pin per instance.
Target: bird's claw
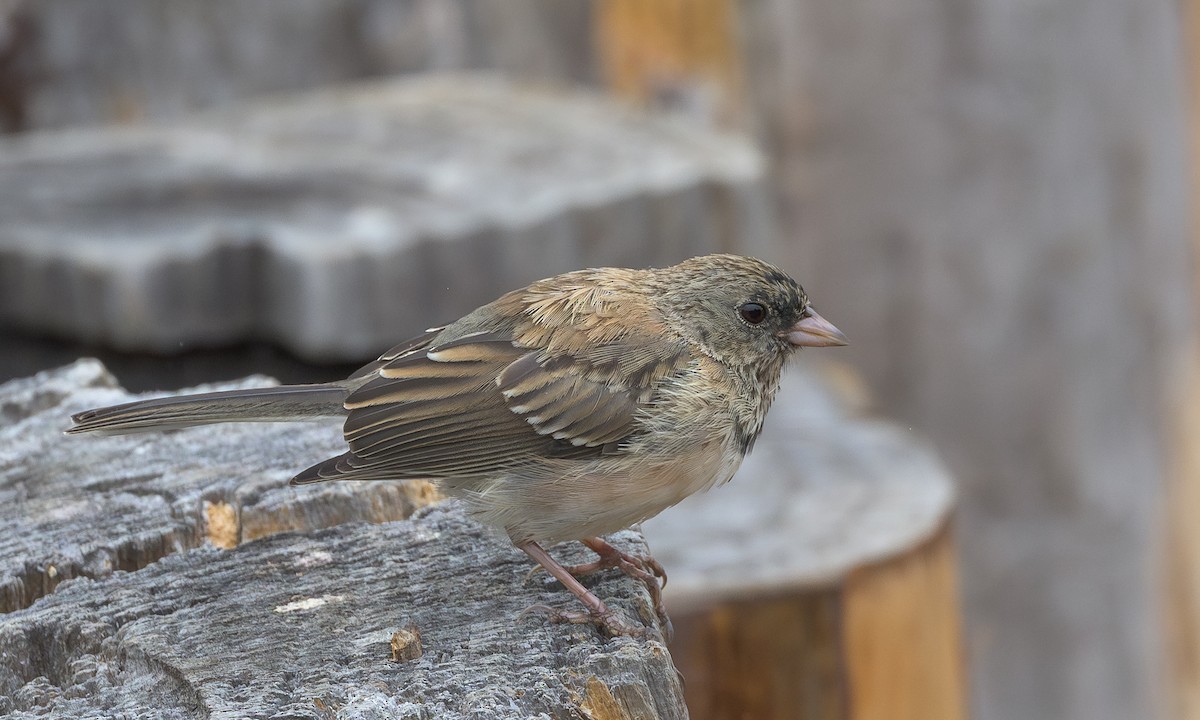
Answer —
(642, 567)
(646, 569)
(621, 561)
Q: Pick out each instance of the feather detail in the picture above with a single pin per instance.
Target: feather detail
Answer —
(538, 376)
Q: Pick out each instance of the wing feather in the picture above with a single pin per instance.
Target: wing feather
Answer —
(491, 398)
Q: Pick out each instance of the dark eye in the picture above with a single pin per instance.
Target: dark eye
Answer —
(753, 313)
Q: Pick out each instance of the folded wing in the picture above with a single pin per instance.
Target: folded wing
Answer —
(490, 401)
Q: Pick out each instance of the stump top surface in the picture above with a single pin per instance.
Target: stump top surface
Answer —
(123, 604)
(89, 506)
(374, 164)
(302, 625)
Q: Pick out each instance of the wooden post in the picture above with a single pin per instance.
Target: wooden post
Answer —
(903, 636)
(884, 642)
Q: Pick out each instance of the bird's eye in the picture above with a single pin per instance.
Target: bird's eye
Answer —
(753, 313)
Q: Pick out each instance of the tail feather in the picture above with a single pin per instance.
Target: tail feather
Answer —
(285, 402)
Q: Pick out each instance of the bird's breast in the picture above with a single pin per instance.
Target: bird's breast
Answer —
(569, 501)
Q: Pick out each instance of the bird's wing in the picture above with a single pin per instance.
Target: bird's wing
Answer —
(408, 347)
(495, 399)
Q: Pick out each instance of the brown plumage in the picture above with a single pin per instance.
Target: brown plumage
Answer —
(572, 408)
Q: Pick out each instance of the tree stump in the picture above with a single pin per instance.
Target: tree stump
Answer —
(131, 586)
(339, 222)
(821, 581)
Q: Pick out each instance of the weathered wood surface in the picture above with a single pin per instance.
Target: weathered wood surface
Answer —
(88, 506)
(339, 222)
(301, 625)
(822, 581)
(161, 622)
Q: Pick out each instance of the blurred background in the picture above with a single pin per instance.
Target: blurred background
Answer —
(992, 199)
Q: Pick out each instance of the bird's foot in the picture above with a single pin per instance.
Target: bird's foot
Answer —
(597, 613)
(642, 567)
(639, 566)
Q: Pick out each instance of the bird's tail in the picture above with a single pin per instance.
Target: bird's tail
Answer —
(285, 402)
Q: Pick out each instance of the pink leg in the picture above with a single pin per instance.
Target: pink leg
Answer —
(645, 569)
(598, 613)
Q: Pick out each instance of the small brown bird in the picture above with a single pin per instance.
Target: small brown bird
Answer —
(566, 410)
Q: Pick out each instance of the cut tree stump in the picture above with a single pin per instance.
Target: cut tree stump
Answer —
(821, 582)
(121, 602)
(336, 223)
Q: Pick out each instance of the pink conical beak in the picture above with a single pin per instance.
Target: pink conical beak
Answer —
(815, 331)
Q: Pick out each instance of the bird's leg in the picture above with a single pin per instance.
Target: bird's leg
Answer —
(597, 612)
(644, 568)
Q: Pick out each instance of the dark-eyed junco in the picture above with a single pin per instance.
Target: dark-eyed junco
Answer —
(568, 409)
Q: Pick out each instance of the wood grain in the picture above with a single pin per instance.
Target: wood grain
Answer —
(885, 642)
(903, 636)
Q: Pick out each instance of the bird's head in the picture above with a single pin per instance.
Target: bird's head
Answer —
(741, 310)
